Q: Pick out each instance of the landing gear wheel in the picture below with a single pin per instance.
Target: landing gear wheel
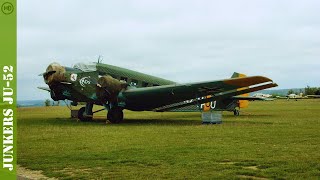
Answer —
(236, 112)
(82, 116)
(115, 115)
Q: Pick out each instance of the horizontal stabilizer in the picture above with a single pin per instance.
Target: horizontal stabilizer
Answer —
(313, 96)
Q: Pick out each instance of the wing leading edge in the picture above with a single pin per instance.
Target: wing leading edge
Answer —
(249, 98)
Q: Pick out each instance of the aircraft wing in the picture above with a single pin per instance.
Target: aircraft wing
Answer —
(45, 89)
(251, 98)
(313, 96)
(159, 97)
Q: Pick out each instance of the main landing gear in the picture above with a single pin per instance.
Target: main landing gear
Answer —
(85, 113)
(115, 114)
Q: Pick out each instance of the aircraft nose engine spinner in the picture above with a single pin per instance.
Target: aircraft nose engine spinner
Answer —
(54, 73)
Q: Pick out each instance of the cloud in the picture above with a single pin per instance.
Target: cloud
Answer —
(184, 41)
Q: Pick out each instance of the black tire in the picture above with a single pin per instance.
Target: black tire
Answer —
(81, 115)
(236, 112)
(115, 115)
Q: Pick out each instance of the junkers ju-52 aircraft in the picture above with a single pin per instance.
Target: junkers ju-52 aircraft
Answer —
(118, 88)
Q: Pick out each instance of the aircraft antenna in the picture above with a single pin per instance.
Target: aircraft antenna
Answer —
(100, 58)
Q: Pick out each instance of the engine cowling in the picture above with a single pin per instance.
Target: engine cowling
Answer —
(54, 73)
(108, 88)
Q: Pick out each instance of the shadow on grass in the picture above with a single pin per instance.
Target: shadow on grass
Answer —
(249, 115)
(134, 122)
(100, 121)
(144, 122)
(242, 122)
(176, 122)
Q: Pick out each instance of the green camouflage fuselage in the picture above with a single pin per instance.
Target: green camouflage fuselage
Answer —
(80, 86)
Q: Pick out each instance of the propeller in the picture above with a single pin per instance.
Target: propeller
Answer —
(47, 73)
(54, 73)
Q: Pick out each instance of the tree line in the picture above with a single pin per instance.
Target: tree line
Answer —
(47, 102)
(307, 91)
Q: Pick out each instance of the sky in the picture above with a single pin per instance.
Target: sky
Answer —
(181, 40)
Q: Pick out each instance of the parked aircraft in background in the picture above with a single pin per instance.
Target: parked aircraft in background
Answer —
(313, 96)
(296, 97)
(118, 88)
(262, 95)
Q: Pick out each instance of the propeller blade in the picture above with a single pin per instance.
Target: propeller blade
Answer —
(68, 83)
(47, 73)
(45, 89)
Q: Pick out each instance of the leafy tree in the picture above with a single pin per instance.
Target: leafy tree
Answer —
(274, 95)
(312, 90)
(290, 92)
(47, 102)
(308, 90)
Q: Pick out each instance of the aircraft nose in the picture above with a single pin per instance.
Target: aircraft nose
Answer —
(54, 73)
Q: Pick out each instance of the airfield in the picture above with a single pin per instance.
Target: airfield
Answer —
(269, 140)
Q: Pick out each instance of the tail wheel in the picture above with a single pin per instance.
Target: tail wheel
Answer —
(82, 115)
(115, 115)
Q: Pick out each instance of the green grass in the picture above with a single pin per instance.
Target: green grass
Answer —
(278, 140)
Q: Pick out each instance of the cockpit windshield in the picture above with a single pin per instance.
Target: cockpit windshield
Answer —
(85, 67)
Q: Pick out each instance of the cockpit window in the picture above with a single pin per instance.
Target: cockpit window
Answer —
(85, 67)
(71, 69)
(145, 84)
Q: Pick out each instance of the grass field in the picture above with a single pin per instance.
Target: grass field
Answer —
(274, 140)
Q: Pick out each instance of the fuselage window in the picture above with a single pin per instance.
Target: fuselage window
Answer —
(145, 84)
(134, 82)
(114, 76)
(124, 79)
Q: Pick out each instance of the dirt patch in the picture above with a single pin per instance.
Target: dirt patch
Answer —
(252, 167)
(25, 174)
(72, 173)
(252, 177)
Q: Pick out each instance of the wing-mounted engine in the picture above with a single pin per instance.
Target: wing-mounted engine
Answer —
(108, 88)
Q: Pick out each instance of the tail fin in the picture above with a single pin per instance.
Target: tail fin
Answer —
(236, 75)
(242, 103)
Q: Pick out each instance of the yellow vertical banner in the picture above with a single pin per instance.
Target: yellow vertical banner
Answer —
(8, 68)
